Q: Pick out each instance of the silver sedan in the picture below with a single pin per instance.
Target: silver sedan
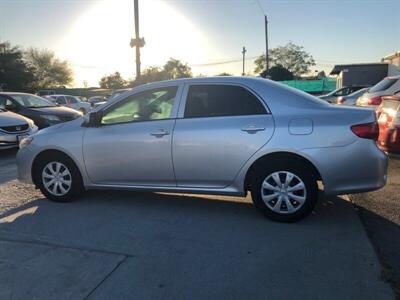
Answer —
(224, 135)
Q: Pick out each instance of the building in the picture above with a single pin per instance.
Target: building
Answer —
(363, 74)
(393, 59)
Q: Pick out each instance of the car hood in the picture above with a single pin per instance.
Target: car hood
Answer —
(8, 118)
(56, 110)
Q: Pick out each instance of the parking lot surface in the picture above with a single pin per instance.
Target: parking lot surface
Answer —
(127, 245)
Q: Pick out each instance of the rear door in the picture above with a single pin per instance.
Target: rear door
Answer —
(220, 127)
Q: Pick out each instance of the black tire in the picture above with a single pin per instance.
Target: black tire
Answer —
(82, 110)
(298, 169)
(76, 187)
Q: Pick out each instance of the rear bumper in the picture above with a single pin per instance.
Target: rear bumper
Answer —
(356, 168)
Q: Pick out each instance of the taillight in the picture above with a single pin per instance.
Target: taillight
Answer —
(366, 131)
(340, 100)
(375, 100)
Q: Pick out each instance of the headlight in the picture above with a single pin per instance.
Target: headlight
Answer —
(25, 142)
(50, 117)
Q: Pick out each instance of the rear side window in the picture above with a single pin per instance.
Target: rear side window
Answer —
(72, 100)
(383, 85)
(61, 100)
(221, 100)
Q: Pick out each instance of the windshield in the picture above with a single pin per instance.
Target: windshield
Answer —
(31, 101)
(383, 85)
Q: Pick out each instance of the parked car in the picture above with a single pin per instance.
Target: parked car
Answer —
(344, 91)
(71, 101)
(45, 92)
(42, 111)
(97, 99)
(351, 98)
(389, 124)
(221, 135)
(386, 87)
(13, 128)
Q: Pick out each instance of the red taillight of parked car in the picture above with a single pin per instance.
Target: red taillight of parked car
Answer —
(340, 100)
(366, 131)
(375, 100)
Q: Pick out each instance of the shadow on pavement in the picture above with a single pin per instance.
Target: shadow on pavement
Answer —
(385, 238)
(129, 245)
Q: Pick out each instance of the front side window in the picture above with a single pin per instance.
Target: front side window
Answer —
(72, 100)
(149, 105)
(221, 100)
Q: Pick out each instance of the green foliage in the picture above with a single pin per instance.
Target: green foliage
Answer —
(224, 74)
(277, 73)
(14, 73)
(291, 57)
(48, 70)
(172, 69)
(113, 81)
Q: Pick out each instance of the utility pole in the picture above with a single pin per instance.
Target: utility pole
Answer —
(266, 45)
(244, 58)
(137, 42)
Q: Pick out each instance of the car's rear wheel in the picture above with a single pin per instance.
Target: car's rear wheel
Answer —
(284, 192)
(58, 178)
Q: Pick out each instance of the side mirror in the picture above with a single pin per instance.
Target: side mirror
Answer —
(94, 119)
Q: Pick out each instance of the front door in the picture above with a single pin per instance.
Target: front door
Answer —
(132, 145)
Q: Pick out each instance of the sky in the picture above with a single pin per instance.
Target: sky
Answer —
(94, 35)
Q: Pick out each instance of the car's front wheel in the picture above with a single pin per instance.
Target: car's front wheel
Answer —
(285, 192)
(58, 178)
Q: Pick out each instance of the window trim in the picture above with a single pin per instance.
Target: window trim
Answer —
(174, 111)
(181, 112)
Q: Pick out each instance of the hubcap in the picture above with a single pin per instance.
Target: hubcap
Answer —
(56, 178)
(283, 192)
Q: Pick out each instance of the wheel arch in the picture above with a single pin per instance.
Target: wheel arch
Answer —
(276, 156)
(46, 153)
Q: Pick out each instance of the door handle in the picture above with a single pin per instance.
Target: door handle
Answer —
(159, 133)
(253, 128)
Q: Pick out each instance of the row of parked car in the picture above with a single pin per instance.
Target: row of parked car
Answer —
(384, 97)
(23, 114)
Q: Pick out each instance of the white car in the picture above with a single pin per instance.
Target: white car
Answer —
(71, 101)
(386, 87)
(13, 128)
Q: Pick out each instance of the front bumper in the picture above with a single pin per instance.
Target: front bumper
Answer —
(25, 159)
(11, 140)
(355, 168)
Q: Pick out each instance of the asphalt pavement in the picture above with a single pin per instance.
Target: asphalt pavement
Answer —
(130, 245)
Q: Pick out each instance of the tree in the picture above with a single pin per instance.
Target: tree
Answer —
(48, 70)
(174, 68)
(113, 81)
(277, 73)
(14, 72)
(151, 74)
(291, 57)
(224, 74)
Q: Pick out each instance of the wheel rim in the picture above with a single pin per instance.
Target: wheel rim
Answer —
(56, 178)
(283, 192)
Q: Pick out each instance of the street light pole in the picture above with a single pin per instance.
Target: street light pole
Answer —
(266, 45)
(244, 58)
(137, 42)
